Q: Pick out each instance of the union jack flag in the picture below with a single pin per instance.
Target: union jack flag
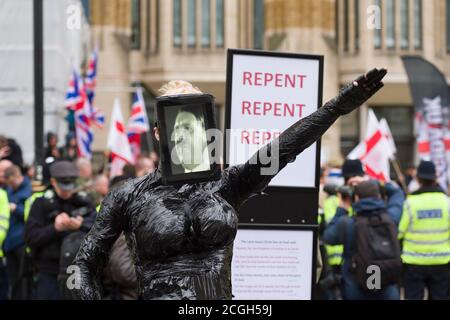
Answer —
(83, 131)
(137, 124)
(77, 101)
(74, 96)
(98, 117)
(91, 74)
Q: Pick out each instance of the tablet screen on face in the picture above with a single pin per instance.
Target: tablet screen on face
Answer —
(188, 141)
(183, 123)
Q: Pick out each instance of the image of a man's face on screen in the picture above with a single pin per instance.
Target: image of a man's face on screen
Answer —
(189, 136)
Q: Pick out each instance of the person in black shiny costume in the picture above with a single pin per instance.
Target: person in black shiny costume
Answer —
(181, 238)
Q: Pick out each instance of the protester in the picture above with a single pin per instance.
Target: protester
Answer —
(84, 167)
(30, 171)
(10, 150)
(352, 168)
(144, 166)
(19, 190)
(411, 178)
(337, 195)
(120, 281)
(101, 188)
(154, 157)
(424, 228)
(129, 171)
(52, 218)
(4, 164)
(183, 249)
(85, 181)
(51, 149)
(69, 152)
(342, 230)
(410, 173)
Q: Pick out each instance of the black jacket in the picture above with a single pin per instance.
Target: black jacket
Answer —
(40, 233)
(181, 238)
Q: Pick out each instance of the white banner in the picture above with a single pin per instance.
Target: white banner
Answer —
(272, 264)
(269, 94)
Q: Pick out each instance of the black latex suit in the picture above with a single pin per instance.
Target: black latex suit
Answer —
(181, 238)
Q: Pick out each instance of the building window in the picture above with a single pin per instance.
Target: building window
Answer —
(219, 24)
(206, 23)
(448, 25)
(346, 26)
(377, 31)
(148, 44)
(404, 24)
(177, 23)
(152, 10)
(417, 24)
(336, 22)
(258, 24)
(135, 24)
(191, 19)
(390, 24)
(356, 25)
(349, 132)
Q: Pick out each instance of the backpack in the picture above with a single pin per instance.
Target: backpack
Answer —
(376, 244)
(69, 249)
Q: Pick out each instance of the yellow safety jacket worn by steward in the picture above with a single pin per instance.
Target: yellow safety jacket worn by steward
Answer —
(4, 218)
(334, 253)
(425, 228)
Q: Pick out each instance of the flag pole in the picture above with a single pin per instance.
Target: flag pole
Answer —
(148, 135)
(399, 174)
(106, 154)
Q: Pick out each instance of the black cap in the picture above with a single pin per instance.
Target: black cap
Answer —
(65, 173)
(426, 170)
(352, 168)
(368, 189)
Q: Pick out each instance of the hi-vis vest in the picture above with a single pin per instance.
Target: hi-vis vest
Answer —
(334, 253)
(424, 228)
(4, 218)
(28, 203)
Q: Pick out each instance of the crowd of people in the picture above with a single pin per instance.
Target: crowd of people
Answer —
(404, 231)
(41, 228)
(42, 225)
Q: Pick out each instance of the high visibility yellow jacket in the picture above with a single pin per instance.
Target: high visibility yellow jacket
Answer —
(29, 202)
(425, 228)
(334, 253)
(4, 218)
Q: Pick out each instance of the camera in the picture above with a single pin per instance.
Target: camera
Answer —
(331, 189)
(346, 192)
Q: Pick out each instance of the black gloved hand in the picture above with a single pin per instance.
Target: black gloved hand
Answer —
(359, 91)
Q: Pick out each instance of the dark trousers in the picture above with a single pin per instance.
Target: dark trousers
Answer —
(14, 260)
(47, 287)
(434, 278)
(3, 280)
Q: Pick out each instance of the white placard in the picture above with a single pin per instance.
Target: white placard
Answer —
(272, 264)
(269, 94)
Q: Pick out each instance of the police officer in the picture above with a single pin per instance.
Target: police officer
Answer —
(424, 229)
(51, 219)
